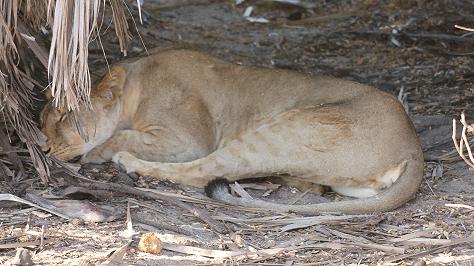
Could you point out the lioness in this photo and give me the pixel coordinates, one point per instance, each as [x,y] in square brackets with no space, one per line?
[190,118]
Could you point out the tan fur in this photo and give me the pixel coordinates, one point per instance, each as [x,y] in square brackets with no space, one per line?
[187,117]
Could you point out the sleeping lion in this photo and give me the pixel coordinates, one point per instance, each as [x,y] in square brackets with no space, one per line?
[190,118]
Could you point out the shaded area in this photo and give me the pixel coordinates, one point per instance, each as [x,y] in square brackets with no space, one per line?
[407,46]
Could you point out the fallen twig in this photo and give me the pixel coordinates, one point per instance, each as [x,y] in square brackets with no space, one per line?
[290,223]
[453,242]
[411,236]
[464,28]
[77,209]
[319,19]
[11,197]
[362,242]
[386,249]
[463,141]
[458,205]
[425,241]
[433,36]
[26,244]
[197,212]
[222,254]
[237,188]
[117,257]
[298,3]
[164,226]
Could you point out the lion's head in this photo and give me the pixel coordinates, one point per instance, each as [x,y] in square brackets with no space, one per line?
[97,124]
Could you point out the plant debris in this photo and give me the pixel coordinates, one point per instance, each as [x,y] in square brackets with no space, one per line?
[409,49]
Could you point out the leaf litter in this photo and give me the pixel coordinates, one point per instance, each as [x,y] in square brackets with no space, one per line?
[403,48]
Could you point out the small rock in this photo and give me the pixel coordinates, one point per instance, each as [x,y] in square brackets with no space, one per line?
[150,243]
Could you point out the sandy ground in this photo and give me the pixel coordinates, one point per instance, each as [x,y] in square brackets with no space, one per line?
[393,45]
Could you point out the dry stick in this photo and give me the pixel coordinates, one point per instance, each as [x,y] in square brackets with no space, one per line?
[26,244]
[240,191]
[362,242]
[458,205]
[299,197]
[117,256]
[184,198]
[178,4]
[386,249]
[319,19]
[410,236]
[433,36]
[242,254]
[464,28]
[203,201]
[10,197]
[163,226]
[463,141]
[197,212]
[219,254]
[429,251]
[172,228]
[466,127]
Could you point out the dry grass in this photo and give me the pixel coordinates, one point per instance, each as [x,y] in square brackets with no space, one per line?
[16,87]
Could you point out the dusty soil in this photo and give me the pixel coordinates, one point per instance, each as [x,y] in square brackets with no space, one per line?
[407,48]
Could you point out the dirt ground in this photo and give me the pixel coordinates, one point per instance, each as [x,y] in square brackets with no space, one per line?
[407,48]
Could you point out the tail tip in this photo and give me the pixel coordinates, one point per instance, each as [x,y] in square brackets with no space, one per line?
[216,186]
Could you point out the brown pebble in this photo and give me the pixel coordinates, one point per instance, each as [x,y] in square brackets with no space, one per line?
[150,243]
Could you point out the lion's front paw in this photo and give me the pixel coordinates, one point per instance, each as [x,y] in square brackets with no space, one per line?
[126,161]
[92,158]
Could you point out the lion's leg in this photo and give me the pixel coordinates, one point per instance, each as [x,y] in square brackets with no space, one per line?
[196,173]
[239,159]
[302,185]
[355,192]
[157,147]
[201,171]
[272,149]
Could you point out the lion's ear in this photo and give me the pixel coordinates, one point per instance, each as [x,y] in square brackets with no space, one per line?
[111,85]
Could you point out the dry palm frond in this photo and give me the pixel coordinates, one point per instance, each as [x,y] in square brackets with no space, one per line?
[16,90]
[34,11]
[67,65]
[73,24]
[121,25]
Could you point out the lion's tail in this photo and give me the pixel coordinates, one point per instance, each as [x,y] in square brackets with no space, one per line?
[399,193]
